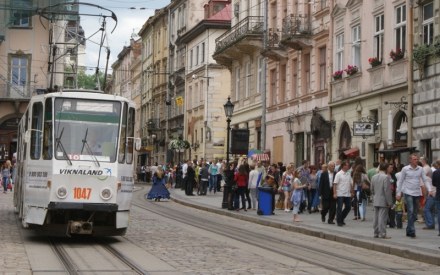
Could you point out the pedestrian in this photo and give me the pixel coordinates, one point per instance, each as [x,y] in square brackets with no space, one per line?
[213,170]
[143,173]
[436,184]
[392,178]
[286,184]
[204,178]
[312,189]
[343,191]
[304,177]
[409,186]
[326,192]
[158,190]
[359,176]
[190,179]
[241,178]
[383,200]
[297,195]
[254,181]
[6,175]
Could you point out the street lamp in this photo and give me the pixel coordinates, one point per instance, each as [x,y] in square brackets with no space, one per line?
[229,109]
[289,127]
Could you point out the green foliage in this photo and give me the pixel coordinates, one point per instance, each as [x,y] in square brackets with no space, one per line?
[88,81]
[420,54]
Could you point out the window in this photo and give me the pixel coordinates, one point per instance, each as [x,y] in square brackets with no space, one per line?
[356,45]
[295,90]
[47,135]
[237,83]
[19,70]
[339,52]
[400,28]
[191,56]
[273,87]
[428,23]
[248,79]
[197,55]
[21,15]
[202,97]
[130,135]
[37,129]
[202,57]
[260,81]
[322,68]
[378,36]
[306,70]
[282,83]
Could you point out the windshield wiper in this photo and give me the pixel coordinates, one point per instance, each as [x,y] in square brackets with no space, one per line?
[89,150]
[60,144]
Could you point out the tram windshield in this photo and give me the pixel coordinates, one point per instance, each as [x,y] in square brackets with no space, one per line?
[86,130]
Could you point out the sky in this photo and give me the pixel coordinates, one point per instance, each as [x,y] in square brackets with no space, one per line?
[129,21]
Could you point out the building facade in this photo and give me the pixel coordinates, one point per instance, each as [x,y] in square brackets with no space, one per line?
[297,49]
[239,50]
[206,85]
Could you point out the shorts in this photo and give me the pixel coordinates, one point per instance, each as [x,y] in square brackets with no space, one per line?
[286,188]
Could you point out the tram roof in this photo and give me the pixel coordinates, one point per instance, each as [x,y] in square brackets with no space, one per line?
[84,93]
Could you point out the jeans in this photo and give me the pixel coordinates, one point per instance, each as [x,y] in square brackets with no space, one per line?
[253,193]
[429,212]
[399,215]
[362,208]
[437,205]
[341,214]
[213,183]
[412,207]
[5,183]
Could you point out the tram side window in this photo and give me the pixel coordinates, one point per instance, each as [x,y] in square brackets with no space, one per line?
[23,129]
[36,130]
[130,135]
[123,136]
[47,135]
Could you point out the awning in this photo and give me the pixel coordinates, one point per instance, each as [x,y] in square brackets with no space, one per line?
[262,157]
[352,152]
[397,150]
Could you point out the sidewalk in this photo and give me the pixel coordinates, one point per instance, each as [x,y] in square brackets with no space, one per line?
[424,248]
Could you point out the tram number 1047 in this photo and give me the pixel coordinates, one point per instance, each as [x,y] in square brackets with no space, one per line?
[81,193]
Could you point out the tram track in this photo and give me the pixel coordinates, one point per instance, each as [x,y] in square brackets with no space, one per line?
[325,257]
[73,256]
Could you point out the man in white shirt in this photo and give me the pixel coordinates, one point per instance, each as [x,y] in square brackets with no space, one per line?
[343,192]
[409,184]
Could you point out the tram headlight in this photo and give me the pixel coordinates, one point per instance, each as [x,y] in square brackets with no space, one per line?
[106,194]
[62,192]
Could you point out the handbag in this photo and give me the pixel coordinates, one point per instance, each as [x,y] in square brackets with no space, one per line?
[222,183]
[9,186]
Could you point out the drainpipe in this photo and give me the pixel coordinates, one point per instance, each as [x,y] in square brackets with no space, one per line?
[263,100]
[410,6]
[330,91]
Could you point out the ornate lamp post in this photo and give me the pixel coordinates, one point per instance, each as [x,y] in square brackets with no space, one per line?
[229,109]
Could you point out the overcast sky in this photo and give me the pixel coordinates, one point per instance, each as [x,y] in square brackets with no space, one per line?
[129,21]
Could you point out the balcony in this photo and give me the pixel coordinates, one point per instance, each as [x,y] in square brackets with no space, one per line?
[245,36]
[297,32]
[273,49]
[10,92]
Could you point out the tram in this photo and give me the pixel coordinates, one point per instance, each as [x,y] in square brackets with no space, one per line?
[75,163]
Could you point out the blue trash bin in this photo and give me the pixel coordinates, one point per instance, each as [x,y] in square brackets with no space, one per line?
[265,200]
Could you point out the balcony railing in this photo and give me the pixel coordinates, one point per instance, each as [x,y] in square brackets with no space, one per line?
[251,25]
[9,92]
[273,38]
[296,25]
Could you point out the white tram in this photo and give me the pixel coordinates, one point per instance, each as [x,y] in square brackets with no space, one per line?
[75,163]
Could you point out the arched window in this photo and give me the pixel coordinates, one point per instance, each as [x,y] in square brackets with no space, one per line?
[400,129]
[345,137]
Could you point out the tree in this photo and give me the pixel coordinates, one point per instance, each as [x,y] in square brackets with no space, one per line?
[87,81]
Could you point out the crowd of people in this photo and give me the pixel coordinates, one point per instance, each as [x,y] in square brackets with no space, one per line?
[333,189]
